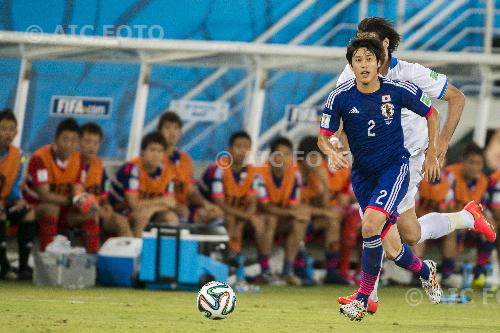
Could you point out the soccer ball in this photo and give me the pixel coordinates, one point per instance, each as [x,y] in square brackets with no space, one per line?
[216,300]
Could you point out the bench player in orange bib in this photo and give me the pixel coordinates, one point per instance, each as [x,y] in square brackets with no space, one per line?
[494,201]
[279,198]
[343,200]
[468,187]
[96,179]
[232,184]
[315,197]
[54,186]
[191,205]
[143,187]
[13,207]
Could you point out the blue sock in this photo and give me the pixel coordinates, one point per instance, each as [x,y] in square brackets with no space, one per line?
[371,259]
[299,266]
[287,267]
[332,260]
[264,264]
[484,249]
[406,259]
[447,267]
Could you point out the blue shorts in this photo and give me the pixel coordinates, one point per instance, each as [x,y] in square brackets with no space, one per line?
[383,191]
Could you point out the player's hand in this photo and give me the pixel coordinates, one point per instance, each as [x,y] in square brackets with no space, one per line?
[86,203]
[301,214]
[3,213]
[338,159]
[182,210]
[105,211]
[169,202]
[79,198]
[20,205]
[441,150]
[332,213]
[432,168]
[213,210]
[255,220]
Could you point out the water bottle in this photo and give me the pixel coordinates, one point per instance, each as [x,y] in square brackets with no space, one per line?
[240,269]
[309,267]
[489,278]
[454,298]
[450,298]
[466,275]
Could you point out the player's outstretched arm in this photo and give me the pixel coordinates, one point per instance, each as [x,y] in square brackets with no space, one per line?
[456,102]
[432,168]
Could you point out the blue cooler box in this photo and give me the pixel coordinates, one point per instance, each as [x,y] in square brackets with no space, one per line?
[183,257]
[117,261]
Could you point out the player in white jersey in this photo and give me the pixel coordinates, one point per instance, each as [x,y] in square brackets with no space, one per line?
[435,85]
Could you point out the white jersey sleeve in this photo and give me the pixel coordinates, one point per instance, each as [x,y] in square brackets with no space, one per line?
[431,82]
[346,75]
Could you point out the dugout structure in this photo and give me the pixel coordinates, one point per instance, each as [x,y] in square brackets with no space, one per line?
[259,64]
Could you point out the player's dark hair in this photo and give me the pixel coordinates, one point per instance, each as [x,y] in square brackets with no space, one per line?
[169,117]
[91,128]
[472,149]
[308,144]
[383,28]
[371,44]
[239,135]
[7,114]
[67,125]
[281,141]
[153,137]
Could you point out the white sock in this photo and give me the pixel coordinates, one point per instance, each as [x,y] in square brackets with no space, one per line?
[374,294]
[437,225]
[461,220]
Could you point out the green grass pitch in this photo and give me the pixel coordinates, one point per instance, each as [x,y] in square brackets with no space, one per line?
[25,308]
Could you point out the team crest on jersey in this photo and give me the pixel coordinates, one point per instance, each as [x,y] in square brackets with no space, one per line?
[325,120]
[387,112]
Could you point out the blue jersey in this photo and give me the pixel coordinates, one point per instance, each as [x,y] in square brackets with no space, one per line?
[372,121]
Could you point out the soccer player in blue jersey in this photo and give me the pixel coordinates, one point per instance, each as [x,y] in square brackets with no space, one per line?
[433,225]
[370,108]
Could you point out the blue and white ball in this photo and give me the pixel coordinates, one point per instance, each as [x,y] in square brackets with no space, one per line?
[216,300]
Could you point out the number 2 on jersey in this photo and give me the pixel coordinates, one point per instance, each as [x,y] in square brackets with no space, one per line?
[371,124]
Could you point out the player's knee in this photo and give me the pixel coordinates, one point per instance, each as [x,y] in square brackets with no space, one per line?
[410,239]
[48,209]
[120,221]
[30,216]
[372,223]
[257,225]
[271,222]
[369,229]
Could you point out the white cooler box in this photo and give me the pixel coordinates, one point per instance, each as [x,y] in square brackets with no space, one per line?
[117,261]
[64,270]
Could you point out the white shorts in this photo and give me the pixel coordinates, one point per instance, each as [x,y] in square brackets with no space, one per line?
[416,176]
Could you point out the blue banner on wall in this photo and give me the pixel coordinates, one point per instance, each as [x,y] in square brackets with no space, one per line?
[81,106]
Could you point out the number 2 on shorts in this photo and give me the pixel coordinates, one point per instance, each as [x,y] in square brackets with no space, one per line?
[383,194]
